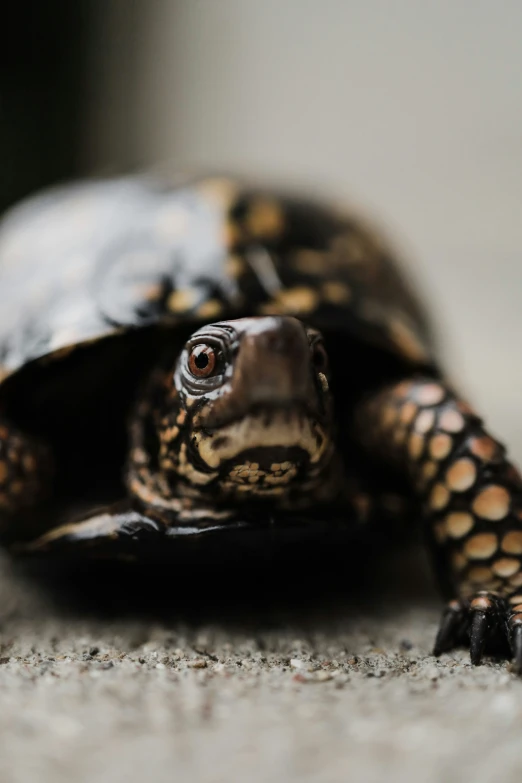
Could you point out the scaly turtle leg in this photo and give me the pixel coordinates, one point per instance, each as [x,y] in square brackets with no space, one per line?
[472,504]
[107,529]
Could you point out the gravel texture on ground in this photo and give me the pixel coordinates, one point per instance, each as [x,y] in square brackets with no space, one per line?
[244,677]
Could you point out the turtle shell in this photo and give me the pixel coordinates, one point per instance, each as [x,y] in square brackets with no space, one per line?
[89,260]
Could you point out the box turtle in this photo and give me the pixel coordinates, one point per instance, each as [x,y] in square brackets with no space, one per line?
[183,358]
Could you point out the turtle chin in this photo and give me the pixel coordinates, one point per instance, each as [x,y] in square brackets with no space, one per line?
[267,453]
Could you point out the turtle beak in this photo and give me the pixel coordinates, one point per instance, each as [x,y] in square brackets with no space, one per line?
[272,371]
[273,366]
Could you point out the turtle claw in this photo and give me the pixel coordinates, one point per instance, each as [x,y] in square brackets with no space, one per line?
[482,620]
[450,628]
[516,649]
[478,636]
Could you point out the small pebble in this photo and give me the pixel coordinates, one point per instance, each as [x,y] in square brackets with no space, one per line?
[322,676]
[297,663]
[198,663]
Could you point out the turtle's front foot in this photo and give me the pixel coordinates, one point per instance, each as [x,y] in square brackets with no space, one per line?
[483,620]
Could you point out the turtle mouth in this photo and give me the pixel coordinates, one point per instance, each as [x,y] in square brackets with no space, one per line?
[269,459]
[265,435]
[266,412]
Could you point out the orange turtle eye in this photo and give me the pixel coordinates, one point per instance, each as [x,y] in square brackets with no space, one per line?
[320,358]
[202,361]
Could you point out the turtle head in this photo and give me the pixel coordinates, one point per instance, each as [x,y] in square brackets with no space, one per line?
[254,411]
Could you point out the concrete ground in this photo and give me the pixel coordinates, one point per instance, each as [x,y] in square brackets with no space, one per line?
[244,675]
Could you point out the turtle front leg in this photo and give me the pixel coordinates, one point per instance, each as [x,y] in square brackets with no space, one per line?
[472,504]
[26,472]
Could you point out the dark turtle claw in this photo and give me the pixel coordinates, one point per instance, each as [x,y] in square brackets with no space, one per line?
[484,620]
[515,640]
[450,628]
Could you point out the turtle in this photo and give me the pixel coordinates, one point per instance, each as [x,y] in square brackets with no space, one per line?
[182,357]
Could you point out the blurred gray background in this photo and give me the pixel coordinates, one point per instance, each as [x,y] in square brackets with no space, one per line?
[412,110]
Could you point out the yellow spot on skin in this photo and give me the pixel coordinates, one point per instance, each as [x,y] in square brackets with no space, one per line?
[439,497]
[516,581]
[440,446]
[481,546]
[485,448]
[424,421]
[210,309]
[182,300]
[461,475]
[459,523]
[3,472]
[451,421]
[309,262]
[139,456]
[234,266]
[492,503]
[336,293]
[408,411]
[407,341]
[170,434]
[185,468]
[298,300]
[481,602]
[429,394]
[506,566]
[415,445]
[480,574]
[512,542]
[389,416]
[429,469]
[181,417]
[294,301]
[458,561]
[265,219]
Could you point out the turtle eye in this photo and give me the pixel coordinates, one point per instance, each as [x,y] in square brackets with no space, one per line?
[320,357]
[202,361]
